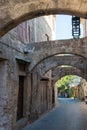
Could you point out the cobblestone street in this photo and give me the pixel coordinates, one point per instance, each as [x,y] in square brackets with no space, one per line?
[69,115]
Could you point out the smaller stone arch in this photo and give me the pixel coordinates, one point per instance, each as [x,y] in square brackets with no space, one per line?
[53,62]
[63,71]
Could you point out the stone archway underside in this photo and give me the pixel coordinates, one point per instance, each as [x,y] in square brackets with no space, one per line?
[40,51]
[54,61]
[63,71]
[13,12]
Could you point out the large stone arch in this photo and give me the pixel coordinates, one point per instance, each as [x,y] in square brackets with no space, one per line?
[40,51]
[63,71]
[54,61]
[13,12]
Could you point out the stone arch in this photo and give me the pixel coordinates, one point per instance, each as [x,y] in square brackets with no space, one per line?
[47,49]
[53,62]
[63,71]
[14,12]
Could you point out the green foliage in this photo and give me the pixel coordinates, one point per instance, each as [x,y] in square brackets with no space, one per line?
[71,92]
[64,82]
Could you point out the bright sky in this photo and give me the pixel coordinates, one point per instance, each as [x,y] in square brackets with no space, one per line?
[64,27]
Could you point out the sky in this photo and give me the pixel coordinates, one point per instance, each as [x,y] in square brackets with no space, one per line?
[64,27]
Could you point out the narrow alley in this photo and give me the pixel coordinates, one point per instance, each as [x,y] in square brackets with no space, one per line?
[69,115]
[43,55]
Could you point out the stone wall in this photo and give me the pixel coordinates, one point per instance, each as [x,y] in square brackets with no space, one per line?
[82,89]
[9,81]
[15,64]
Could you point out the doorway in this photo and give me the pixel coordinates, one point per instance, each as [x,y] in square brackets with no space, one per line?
[20,98]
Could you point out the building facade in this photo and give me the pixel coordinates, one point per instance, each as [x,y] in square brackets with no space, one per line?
[24,96]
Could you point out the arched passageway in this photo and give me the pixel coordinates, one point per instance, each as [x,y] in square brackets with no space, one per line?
[15,12]
[43,50]
[54,61]
[68,71]
[60,72]
[11,14]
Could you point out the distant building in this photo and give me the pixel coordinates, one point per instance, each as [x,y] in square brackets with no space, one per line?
[36,30]
[84,23]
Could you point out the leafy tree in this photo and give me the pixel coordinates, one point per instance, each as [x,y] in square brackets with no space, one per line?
[64,82]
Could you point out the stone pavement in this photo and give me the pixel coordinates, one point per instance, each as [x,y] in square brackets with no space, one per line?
[69,115]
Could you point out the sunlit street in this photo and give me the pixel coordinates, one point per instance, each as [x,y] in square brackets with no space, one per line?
[69,115]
